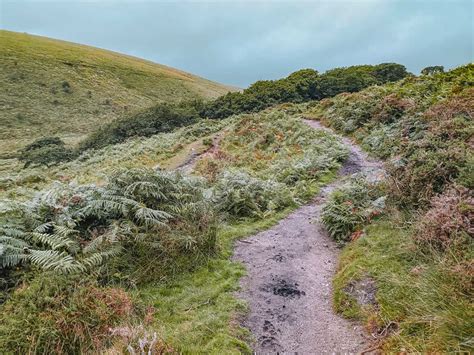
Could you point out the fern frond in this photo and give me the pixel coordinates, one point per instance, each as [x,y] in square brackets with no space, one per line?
[150,216]
[97,259]
[12,231]
[145,188]
[15,242]
[11,255]
[44,228]
[55,241]
[55,261]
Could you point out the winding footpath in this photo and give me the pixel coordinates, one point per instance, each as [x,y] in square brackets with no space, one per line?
[289,274]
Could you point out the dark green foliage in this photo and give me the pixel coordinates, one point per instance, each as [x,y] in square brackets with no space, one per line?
[305,84]
[240,195]
[163,117]
[389,72]
[301,86]
[160,118]
[41,142]
[45,151]
[432,70]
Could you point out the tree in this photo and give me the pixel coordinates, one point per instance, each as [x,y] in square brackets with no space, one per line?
[305,82]
[432,70]
[388,72]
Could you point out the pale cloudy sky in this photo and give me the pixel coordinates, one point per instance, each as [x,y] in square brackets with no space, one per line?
[239,42]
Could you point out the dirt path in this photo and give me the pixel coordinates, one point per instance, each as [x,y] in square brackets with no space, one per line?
[187,166]
[290,269]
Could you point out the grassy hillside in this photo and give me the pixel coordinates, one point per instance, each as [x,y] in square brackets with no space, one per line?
[168,262]
[146,249]
[52,87]
[419,254]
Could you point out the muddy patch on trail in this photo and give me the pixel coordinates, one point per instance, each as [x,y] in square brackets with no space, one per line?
[278,258]
[284,288]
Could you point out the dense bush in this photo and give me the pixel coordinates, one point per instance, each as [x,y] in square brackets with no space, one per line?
[76,229]
[350,207]
[437,155]
[45,151]
[449,223]
[432,70]
[163,117]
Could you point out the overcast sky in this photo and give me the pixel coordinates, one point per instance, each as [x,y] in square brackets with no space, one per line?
[240,42]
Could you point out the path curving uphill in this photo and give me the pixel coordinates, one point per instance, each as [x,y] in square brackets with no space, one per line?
[289,274]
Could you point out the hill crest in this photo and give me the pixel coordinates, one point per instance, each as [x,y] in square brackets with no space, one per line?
[68,89]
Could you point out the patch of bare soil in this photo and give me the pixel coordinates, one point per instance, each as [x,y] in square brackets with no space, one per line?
[290,269]
[193,158]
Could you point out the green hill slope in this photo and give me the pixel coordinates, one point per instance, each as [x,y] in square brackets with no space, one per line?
[61,88]
[162,241]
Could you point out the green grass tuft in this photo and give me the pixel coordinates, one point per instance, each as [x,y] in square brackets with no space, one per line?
[416,292]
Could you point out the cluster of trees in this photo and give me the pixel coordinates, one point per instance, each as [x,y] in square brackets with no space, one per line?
[300,86]
[303,85]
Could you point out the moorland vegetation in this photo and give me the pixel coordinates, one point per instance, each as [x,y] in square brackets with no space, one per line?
[417,246]
[106,247]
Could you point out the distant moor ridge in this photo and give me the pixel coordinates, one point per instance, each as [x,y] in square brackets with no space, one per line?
[55,87]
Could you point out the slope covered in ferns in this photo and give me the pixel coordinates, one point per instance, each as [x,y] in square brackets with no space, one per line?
[115,236]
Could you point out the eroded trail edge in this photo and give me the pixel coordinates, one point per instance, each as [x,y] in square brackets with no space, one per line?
[290,269]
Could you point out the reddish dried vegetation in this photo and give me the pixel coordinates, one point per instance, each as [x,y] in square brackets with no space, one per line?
[449,221]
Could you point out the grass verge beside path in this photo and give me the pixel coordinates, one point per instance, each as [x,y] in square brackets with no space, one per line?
[198,312]
[418,302]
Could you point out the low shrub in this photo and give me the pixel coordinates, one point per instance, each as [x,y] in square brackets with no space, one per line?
[311,166]
[350,207]
[45,151]
[163,117]
[77,229]
[62,315]
[448,224]
[240,195]
[174,229]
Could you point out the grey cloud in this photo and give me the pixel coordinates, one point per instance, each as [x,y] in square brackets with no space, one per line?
[241,42]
